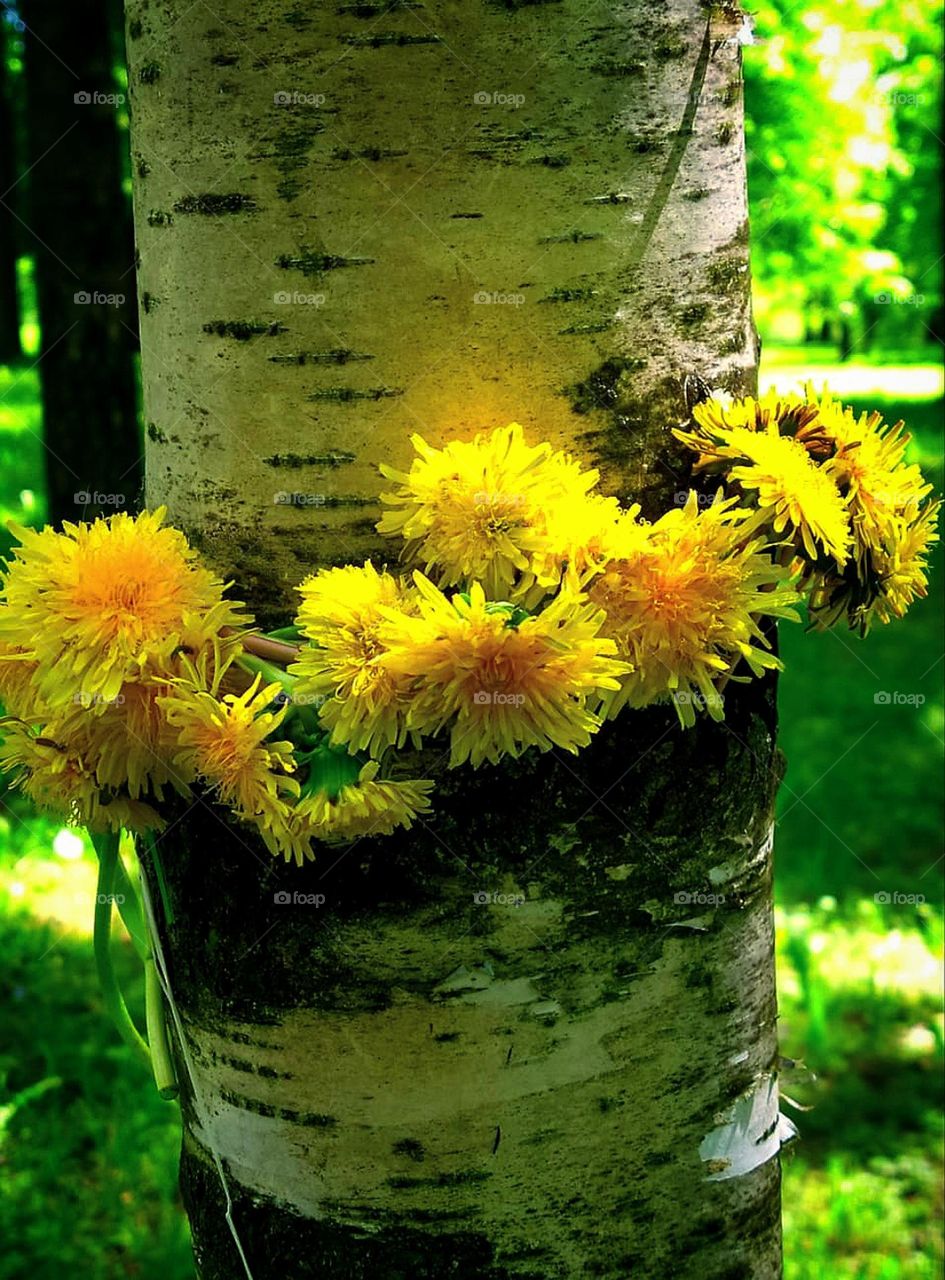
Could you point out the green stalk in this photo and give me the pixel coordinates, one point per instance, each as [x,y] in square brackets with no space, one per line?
[159,876]
[106,846]
[284,633]
[268,670]
[129,908]
[162,1064]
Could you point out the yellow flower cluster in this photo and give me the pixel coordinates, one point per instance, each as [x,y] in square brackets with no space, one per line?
[532,609]
[120,673]
[852,516]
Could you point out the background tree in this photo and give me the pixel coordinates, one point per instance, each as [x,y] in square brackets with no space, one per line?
[9,301]
[836,250]
[80,223]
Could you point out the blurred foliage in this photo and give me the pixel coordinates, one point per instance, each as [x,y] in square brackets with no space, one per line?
[843,104]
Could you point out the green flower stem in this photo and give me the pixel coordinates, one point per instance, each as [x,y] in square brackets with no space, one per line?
[268,670]
[162,1064]
[289,634]
[106,846]
[129,908]
[159,876]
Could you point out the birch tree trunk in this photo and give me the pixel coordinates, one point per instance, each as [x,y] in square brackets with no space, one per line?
[357,221]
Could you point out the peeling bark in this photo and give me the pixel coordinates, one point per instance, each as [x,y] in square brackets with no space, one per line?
[403,1080]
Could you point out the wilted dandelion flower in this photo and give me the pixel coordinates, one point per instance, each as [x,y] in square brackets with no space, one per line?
[228,743]
[506,680]
[796,496]
[883,584]
[477,510]
[98,603]
[61,781]
[343,614]
[682,600]
[870,468]
[362,806]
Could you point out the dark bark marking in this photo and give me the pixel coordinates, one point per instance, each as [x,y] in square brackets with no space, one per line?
[571,237]
[312,264]
[243,330]
[345,395]
[293,461]
[211,205]
[387,38]
[339,355]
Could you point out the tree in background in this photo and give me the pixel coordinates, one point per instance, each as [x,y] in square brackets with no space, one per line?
[9,301]
[80,224]
[357,222]
[843,109]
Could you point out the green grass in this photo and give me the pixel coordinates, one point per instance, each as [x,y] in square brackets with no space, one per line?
[861,1010]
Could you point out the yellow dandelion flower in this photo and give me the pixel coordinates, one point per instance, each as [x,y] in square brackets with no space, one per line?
[869,467]
[61,781]
[570,543]
[18,692]
[885,584]
[227,742]
[476,510]
[127,740]
[344,614]
[96,604]
[366,807]
[682,600]
[798,497]
[506,682]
